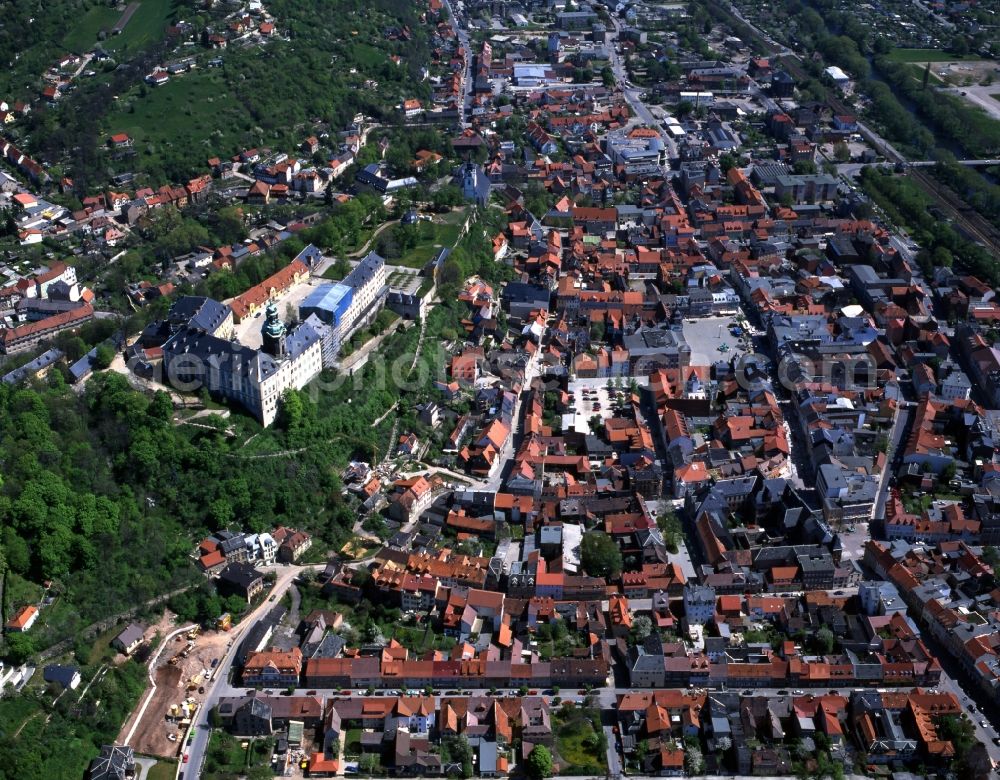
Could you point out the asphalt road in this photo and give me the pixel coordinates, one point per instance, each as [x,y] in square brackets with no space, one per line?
[901,424]
[200,729]
[467,79]
[493,483]
[632,94]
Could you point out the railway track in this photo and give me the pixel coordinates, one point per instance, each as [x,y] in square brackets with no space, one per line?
[968,221]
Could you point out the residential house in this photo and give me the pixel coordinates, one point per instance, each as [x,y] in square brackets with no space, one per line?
[129,639]
[273,668]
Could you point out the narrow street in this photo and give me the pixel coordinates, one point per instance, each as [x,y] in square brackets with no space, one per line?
[200,731]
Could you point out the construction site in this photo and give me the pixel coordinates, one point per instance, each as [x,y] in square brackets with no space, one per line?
[183,670]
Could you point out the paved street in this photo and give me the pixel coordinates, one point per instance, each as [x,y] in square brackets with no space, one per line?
[632,94]
[467,77]
[901,424]
[493,483]
[200,730]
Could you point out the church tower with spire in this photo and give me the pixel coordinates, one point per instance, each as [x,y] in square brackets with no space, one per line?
[273,342]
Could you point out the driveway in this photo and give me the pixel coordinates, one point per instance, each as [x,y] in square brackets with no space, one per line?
[145,764]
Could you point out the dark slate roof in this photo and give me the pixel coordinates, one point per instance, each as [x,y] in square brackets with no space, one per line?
[114,763]
[60,674]
[198,312]
[242,575]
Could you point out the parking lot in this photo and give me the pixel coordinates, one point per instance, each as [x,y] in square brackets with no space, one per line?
[705,337]
[592,397]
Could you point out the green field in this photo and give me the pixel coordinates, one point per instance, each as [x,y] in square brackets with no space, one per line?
[162,770]
[579,741]
[192,117]
[368,55]
[83,37]
[917,71]
[927,55]
[146,26]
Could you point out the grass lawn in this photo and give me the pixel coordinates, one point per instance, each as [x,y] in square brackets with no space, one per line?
[102,649]
[227,757]
[193,116]
[927,55]
[579,741]
[146,26]
[352,742]
[419,640]
[445,234]
[368,55]
[162,770]
[83,37]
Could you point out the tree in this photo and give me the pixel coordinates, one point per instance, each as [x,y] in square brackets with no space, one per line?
[841,152]
[16,551]
[446,197]
[804,167]
[600,555]
[230,227]
[456,749]
[863,210]
[942,257]
[727,161]
[824,640]
[959,45]
[694,761]
[642,627]
[368,763]
[539,764]
[20,647]
[103,356]
[670,526]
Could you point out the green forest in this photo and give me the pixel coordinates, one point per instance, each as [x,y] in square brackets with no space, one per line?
[103,494]
[260,96]
[42,738]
